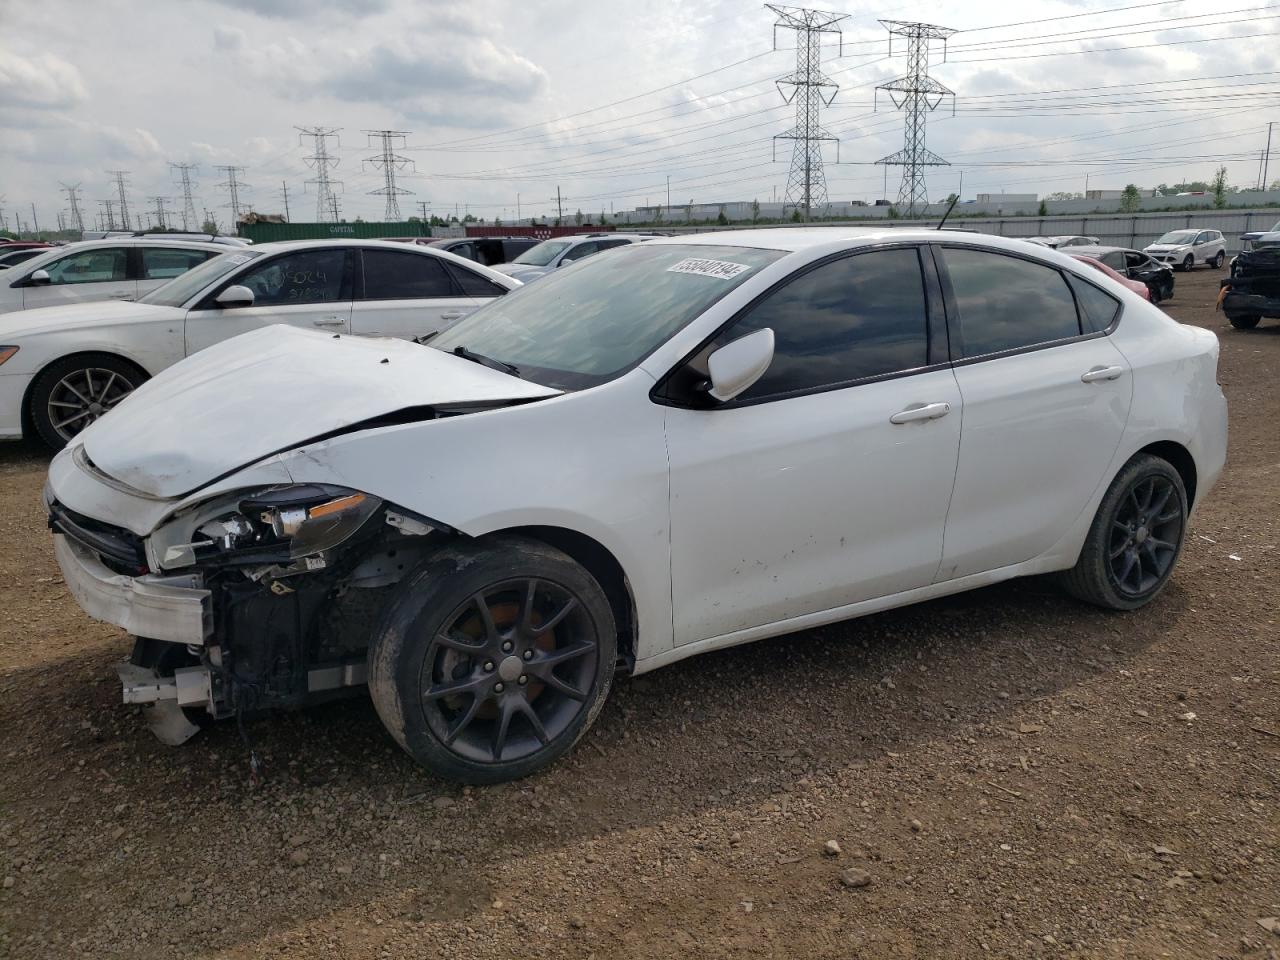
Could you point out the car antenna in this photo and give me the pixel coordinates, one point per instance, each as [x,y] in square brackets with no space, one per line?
[955,198]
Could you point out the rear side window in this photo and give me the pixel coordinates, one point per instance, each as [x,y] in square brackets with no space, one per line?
[850,319]
[158,264]
[1113,259]
[580,251]
[1097,309]
[472,284]
[1006,303]
[404,276]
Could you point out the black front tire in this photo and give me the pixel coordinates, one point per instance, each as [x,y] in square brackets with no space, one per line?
[1244,323]
[523,634]
[1188,263]
[1153,490]
[1220,259]
[55,395]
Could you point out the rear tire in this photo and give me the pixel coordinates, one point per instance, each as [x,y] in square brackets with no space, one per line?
[492,659]
[1244,323]
[71,393]
[1135,539]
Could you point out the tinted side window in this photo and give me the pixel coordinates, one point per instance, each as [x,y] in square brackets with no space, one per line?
[513,248]
[608,244]
[472,284]
[308,276]
[158,264]
[1114,260]
[857,317]
[1006,303]
[404,276]
[463,250]
[580,251]
[90,266]
[1097,309]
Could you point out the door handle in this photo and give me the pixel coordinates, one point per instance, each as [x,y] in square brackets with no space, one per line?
[1101,373]
[330,322]
[455,315]
[921,411]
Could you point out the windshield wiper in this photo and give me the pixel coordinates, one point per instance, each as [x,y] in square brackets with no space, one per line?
[484,361]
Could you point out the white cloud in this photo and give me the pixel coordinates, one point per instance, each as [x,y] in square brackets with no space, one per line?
[40,81]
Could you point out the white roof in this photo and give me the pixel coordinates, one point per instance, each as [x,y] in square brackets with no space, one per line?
[794,239]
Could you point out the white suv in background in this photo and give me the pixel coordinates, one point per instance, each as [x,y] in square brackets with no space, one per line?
[1183,249]
[120,269]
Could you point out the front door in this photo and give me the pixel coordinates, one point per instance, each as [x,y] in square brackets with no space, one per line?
[101,273]
[307,288]
[828,481]
[1046,397]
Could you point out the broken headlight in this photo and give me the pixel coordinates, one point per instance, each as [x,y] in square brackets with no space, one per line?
[279,524]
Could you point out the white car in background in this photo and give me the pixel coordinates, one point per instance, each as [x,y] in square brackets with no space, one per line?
[1183,249]
[122,269]
[63,367]
[684,445]
[561,251]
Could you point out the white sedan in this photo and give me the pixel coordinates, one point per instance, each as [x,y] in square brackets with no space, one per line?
[688,444]
[63,367]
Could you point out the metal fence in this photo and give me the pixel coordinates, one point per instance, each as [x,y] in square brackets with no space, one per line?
[1132,230]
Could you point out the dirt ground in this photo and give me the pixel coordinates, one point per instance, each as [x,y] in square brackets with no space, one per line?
[1017,774]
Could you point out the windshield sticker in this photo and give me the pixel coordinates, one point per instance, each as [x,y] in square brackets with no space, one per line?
[720,269]
[240,258]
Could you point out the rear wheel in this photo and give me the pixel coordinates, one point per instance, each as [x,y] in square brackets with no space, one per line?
[1220,259]
[1188,262]
[493,659]
[1244,323]
[74,392]
[1135,537]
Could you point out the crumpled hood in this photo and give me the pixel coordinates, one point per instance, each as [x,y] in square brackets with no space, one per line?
[272,390]
[70,316]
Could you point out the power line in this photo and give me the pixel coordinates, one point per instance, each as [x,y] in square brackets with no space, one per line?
[284,194]
[161,214]
[188,204]
[321,161]
[810,91]
[233,186]
[119,178]
[916,94]
[389,161]
[73,199]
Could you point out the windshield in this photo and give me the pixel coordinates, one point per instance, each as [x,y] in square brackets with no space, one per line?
[590,322]
[181,289]
[543,253]
[1178,236]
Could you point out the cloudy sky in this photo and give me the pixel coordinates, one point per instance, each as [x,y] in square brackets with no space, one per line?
[504,100]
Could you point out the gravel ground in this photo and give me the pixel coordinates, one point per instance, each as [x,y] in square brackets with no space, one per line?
[1005,773]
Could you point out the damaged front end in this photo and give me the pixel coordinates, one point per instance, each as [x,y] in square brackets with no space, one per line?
[259,599]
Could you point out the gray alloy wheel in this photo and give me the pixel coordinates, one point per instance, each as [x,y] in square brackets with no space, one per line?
[1220,259]
[72,393]
[1188,262]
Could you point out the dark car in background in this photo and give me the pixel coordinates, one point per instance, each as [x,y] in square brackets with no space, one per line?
[486,251]
[1135,265]
[12,254]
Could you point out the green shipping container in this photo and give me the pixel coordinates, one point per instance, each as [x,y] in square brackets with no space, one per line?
[364,230]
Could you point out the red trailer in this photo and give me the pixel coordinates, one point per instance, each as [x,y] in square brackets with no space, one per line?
[542,233]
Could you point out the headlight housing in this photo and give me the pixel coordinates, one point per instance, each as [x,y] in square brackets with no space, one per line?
[277,525]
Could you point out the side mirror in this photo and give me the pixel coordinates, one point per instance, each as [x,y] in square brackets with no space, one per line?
[38,277]
[235,296]
[738,365]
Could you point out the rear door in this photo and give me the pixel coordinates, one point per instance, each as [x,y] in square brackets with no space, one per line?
[101,273]
[407,295]
[308,288]
[1046,397]
[158,265]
